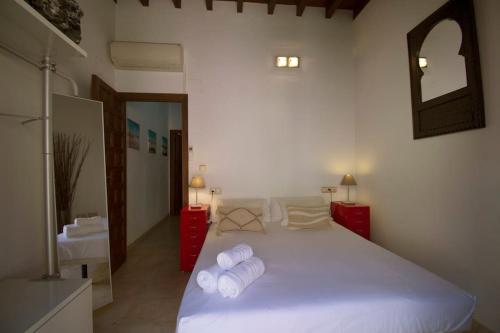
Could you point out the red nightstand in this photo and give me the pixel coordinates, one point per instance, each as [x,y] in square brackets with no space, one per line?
[354,217]
[194,227]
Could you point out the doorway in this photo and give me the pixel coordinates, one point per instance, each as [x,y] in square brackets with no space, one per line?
[115,132]
[175,172]
[149,171]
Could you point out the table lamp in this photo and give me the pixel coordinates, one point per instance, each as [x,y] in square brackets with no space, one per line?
[348,180]
[197,182]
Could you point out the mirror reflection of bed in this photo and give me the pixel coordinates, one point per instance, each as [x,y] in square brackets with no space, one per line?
[81,206]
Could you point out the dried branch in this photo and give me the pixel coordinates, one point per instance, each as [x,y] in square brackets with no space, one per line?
[70,152]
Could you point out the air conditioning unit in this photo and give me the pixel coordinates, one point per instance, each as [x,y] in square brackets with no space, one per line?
[147,56]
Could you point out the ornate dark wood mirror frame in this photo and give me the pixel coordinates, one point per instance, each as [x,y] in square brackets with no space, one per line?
[458,110]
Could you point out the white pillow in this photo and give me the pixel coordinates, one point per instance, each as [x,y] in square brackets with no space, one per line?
[249,203]
[275,208]
[279,211]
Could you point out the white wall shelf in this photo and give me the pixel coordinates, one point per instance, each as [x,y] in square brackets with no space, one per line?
[25,30]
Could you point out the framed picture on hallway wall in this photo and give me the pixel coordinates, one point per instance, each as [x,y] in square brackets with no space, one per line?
[134,132]
[152,141]
[164,146]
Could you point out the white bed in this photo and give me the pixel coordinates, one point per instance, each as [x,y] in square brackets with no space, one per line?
[324,281]
[87,249]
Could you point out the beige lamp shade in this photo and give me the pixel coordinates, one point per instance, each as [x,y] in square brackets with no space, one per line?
[197,182]
[348,180]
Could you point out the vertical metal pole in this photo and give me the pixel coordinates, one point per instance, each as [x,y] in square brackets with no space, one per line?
[48,170]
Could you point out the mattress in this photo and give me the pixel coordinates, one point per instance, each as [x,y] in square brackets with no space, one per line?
[92,248]
[324,281]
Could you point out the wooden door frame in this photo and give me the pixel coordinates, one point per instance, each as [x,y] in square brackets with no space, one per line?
[125,97]
[117,226]
[170,135]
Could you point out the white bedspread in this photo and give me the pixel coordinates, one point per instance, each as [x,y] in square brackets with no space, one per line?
[324,281]
[94,246]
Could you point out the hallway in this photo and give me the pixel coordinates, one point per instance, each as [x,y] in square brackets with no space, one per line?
[148,288]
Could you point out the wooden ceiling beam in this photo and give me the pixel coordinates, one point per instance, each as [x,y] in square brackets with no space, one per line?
[332,6]
[301,6]
[360,5]
[145,3]
[270,7]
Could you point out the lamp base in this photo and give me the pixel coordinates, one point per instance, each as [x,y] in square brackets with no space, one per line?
[348,202]
[196,206]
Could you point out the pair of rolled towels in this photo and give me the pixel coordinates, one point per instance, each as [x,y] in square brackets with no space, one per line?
[235,270]
[84,226]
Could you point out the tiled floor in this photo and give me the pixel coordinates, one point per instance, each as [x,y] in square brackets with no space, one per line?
[148,288]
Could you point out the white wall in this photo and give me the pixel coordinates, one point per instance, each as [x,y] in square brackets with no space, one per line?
[98,30]
[435,200]
[262,131]
[22,240]
[148,185]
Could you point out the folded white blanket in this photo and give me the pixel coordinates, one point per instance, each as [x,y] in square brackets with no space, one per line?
[88,220]
[207,278]
[74,230]
[232,282]
[230,258]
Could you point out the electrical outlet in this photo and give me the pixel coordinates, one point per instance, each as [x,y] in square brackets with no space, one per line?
[215,190]
[329,189]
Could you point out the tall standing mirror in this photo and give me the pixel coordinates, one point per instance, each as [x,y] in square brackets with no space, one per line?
[80,186]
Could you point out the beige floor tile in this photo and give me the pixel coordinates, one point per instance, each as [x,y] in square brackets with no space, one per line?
[148,288]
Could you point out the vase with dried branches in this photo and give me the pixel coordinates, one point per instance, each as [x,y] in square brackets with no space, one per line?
[70,152]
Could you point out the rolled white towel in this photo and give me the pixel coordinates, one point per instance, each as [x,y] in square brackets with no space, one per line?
[230,258]
[74,230]
[88,220]
[232,282]
[207,278]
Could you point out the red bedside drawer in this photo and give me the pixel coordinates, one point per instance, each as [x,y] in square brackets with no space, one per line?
[193,219]
[190,261]
[193,230]
[361,213]
[357,224]
[194,238]
[190,226]
[194,248]
[354,217]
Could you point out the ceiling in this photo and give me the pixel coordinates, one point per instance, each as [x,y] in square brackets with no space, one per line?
[330,6]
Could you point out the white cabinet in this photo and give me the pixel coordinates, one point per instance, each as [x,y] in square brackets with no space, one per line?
[46,306]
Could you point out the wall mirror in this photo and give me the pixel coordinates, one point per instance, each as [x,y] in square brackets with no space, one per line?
[80,186]
[445,72]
